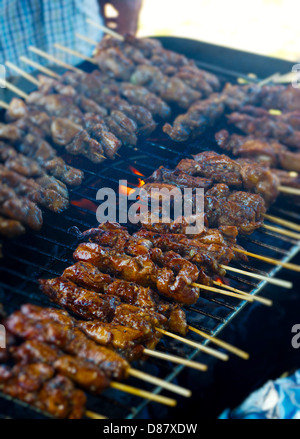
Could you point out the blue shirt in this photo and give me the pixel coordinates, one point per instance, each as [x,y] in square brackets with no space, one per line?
[41,23]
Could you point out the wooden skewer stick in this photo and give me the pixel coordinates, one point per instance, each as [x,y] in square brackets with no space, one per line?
[105,29]
[39,67]
[22,73]
[199,346]
[54,59]
[293,174]
[175,359]
[29,78]
[94,415]
[74,52]
[225,293]
[4,105]
[282,222]
[262,300]
[143,394]
[282,231]
[289,190]
[273,261]
[275,112]
[272,280]
[268,79]
[159,382]
[87,39]
[15,90]
[221,343]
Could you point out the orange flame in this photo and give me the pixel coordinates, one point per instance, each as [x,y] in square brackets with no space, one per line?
[141,182]
[223,281]
[86,204]
[125,190]
[135,171]
[218,279]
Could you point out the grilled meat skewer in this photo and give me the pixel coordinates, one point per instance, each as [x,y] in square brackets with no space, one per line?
[34,147]
[170,89]
[88,276]
[281,97]
[36,385]
[204,113]
[124,120]
[173,281]
[100,94]
[207,250]
[266,151]
[222,208]
[85,275]
[19,208]
[266,126]
[28,324]
[120,58]
[97,88]
[68,295]
[81,372]
[64,132]
[222,169]
[45,191]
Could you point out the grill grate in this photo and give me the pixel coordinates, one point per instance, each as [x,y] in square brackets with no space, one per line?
[47,253]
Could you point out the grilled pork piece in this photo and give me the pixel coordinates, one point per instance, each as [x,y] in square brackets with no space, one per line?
[34,351]
[61,399]
[178,178]
[10,228]
[138,95]
[19,208]
[170,89]
[119,336]
[291,179]
[280,97]
[195,121]
[25,381]
[240,209]
[38,313]
[81,372]
[87,304]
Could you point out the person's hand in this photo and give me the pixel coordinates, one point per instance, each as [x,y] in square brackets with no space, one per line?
[128,13]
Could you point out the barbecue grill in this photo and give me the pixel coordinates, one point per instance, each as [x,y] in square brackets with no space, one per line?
[47,253]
